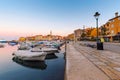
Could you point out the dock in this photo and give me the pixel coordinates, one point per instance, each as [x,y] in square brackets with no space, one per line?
[85,63]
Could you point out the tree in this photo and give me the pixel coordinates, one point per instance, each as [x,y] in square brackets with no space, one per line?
[88,33]
[104,30]
[83,35]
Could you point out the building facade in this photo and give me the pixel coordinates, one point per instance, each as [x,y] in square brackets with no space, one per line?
[77,34]
[112,28]
[38,37]
[114,25]
[70,37]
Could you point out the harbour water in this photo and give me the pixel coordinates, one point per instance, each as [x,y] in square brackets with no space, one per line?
[12,69]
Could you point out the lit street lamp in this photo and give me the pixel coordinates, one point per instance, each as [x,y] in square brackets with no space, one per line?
[99,44]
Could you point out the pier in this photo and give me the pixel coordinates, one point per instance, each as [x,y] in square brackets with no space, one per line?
[85,63]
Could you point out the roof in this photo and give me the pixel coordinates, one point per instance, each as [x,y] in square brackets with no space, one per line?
[78,30]
[114,18]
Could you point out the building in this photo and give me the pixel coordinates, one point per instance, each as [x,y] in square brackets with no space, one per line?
[105,29]
[112,28]
[48,37]
[56,37]
[22,39]
[77,34]
[114,25]
[70,37]
[38,37]
[31,38]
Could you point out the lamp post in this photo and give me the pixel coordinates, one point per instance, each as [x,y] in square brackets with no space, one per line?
[99,44]
[96,15]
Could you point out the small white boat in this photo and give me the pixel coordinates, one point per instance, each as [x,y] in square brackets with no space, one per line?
[12,43]
[1,45]
[24,46]
[31,56]
[45,49]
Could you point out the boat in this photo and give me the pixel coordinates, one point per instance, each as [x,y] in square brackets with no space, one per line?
[3,41]
[48,50]
[12,43]
[45,46]
[31,64]
[24,46]
[1,45]
[51,56]
[30,56]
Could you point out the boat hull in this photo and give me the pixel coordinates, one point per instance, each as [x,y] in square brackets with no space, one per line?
[30,56]
[47,50]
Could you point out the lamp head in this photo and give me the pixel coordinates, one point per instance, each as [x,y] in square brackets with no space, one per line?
[96,15]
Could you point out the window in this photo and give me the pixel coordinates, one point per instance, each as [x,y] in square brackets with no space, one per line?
[112,31]
[119,18]
[112,26]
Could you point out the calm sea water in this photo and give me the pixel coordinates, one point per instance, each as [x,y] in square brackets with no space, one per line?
[13,69]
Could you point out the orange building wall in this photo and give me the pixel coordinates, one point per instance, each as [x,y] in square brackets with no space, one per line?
[115,26]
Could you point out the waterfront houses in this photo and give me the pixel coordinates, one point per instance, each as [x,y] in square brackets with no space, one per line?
[22,39]
[38,37]
[110,31]
[41,38]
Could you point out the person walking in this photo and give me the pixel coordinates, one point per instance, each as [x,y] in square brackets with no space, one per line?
[102,40]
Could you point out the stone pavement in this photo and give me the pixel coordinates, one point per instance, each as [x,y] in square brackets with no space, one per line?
[106,61]
[113,47]
[80,65]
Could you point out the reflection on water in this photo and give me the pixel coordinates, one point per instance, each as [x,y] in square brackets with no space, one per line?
[31,64]
[13,69]
[51,56]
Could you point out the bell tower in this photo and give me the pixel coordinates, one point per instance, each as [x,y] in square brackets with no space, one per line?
[50,32]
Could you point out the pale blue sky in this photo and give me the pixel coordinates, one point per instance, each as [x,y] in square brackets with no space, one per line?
[31,17]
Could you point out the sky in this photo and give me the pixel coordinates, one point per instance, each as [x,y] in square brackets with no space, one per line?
[22,18]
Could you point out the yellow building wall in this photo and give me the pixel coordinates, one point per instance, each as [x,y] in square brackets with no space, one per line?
[22,39]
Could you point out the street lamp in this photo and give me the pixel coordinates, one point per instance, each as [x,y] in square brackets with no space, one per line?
[96,15]
[99,44]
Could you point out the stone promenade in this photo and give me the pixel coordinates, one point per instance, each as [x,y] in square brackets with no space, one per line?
[85,63]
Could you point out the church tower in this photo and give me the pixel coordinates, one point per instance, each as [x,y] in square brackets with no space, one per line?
[50,32]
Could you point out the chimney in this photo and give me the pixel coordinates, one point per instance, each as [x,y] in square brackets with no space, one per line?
[116,14]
